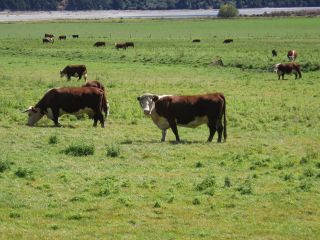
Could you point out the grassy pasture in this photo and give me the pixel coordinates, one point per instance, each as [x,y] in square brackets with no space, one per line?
[263,183]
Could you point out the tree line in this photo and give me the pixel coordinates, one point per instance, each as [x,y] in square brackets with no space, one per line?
[36,5]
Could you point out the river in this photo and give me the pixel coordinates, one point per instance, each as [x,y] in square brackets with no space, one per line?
[8,16]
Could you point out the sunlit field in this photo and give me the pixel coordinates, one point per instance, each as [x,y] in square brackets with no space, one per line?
[121,182]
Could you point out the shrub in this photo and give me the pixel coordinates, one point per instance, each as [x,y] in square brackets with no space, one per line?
[79,150]
[113,151]
[228,11]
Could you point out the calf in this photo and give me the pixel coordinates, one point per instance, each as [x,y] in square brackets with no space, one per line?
[62,37]
[287,68]
[74,71]
[186,111]
[120,45]
[129,44]
[99,44]
[229,40]
[71,100]
[292,55]
[48,40]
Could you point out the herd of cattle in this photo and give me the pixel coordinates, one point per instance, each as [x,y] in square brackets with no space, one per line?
[49,38]
[166,111]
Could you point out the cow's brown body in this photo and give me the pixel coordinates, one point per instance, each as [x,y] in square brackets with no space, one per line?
[229,40]
[292,55]
[49,35]
[74,71]
[62,37]
[288,68]
[120,45]
[72,100]
[129,44]
[48,40]
[94,83]
[189,111]
[100,44]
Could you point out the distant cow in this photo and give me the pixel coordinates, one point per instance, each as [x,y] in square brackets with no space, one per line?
[196,40]
[292,55]
[229,40]
[287,68]
[75,36]
[69,100]
[48,40]
[94,83]
[74,71]
[99,44]
[274,53]
[186,111]
[49,35]
[120,45]
[129,44]
[62,37]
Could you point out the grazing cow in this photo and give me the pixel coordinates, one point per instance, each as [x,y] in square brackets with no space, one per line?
[196,40]
[129,44]
[69,100]
[62,37]
[74,71]
[274,53]
[229,40]
[95,84]
[48,40]
[186,111]
[120,45]
[49,35]
[292,55]
[287,68]
[99,44]
[75,36]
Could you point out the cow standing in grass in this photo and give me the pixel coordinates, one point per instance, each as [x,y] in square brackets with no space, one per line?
[186,111]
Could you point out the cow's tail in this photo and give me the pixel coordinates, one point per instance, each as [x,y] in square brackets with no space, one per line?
[224,119]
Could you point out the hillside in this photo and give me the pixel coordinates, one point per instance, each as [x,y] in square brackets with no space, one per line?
[27,5]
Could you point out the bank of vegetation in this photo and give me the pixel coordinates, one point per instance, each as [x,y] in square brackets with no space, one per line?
[28,5]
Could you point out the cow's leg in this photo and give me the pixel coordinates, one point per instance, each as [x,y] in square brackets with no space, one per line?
[173,126]
[212,128]
[164,132]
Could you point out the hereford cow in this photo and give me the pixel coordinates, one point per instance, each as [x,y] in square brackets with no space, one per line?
[94,83]
[75,36]
[49,35]
[74,71]
[186,111]
[129,44]
[274,53]
[62,37]
[229,40]
[287,68]
[69,100]
[48,40]
[292,55]
[99,44]
[196,40]
[120,45]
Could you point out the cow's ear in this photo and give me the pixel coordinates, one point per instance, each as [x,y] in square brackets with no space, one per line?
[155,98]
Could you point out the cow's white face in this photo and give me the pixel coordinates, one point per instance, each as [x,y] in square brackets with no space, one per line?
[34,115]
[147,102]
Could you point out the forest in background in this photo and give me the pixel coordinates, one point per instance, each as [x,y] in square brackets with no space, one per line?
[72,5]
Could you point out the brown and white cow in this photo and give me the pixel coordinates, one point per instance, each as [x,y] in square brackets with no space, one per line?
[120,45]
[69,100]
[287,68]
[74,71]
[292,55]
[48,40]
[186,111]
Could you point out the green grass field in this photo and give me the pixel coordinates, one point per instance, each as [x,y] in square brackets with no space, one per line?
[263,183]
